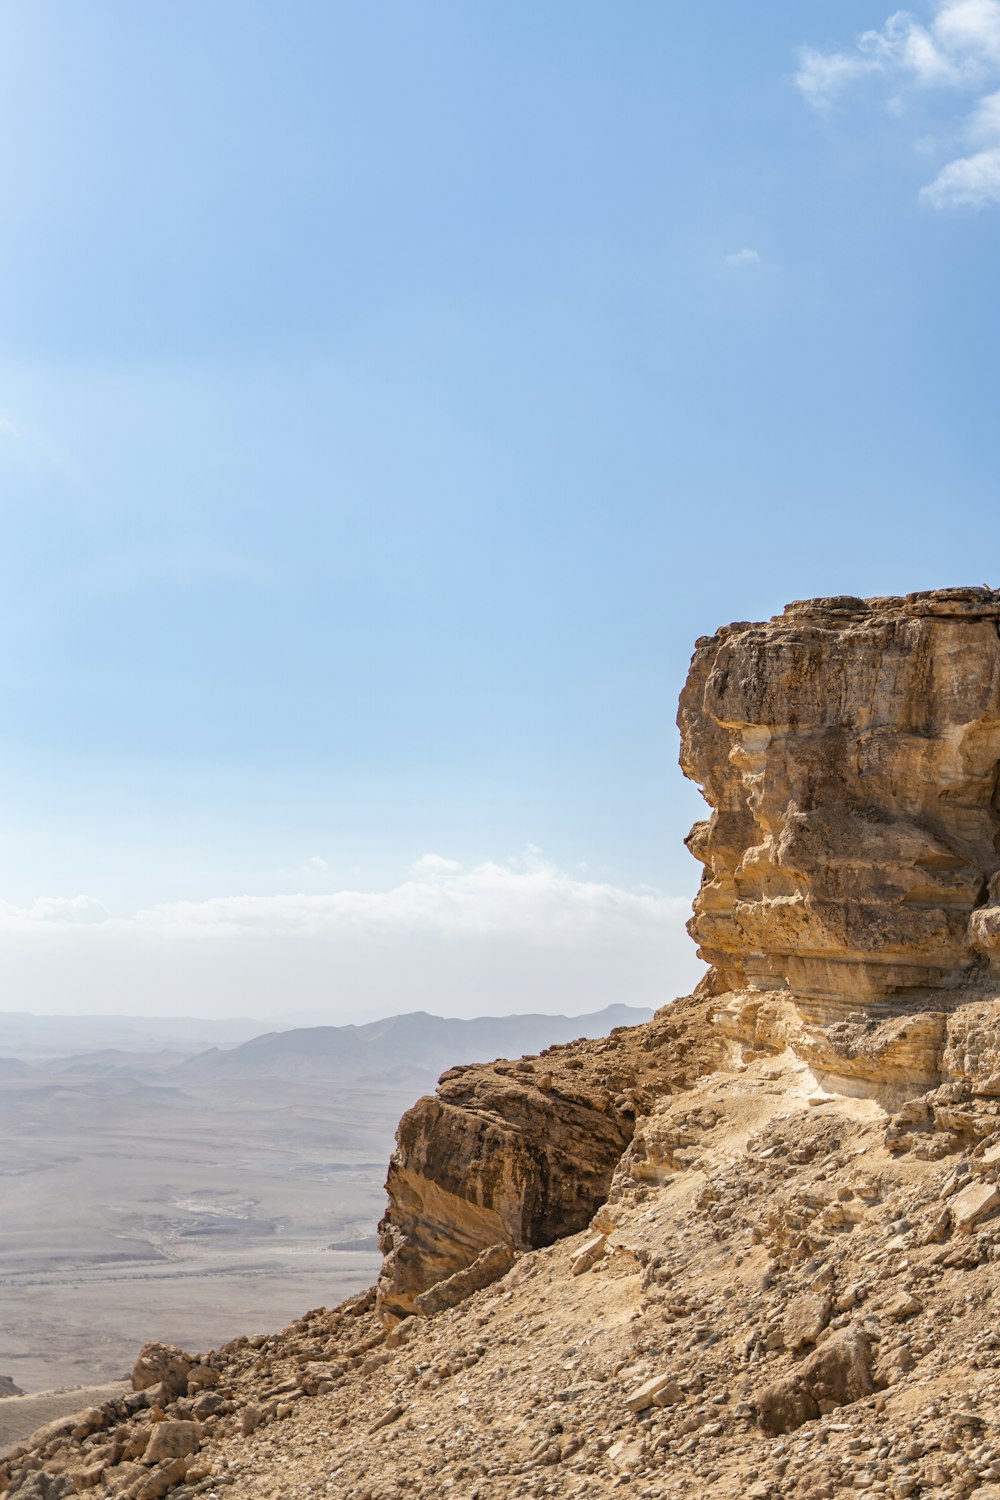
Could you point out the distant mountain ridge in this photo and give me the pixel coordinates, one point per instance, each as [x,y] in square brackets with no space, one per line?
[396,1048]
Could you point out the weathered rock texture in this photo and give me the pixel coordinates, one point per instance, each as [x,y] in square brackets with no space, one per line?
[518,1154]
[850,751]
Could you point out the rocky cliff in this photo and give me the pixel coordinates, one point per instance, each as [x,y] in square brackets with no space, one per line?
[850,752]
[518,1154]
[750,1249]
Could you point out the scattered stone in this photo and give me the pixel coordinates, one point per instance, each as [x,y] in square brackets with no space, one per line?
[489,1266]
[972,1204]
[170,1440]
[589,1255]
[661,1390]
[805,1318]
[162,1364]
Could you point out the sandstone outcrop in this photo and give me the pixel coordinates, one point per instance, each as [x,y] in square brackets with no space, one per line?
[518,1154]
[850,752]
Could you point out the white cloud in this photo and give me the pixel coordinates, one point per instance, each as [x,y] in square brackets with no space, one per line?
[8,427]
[958,49]
[317,865]
[529,899]
[824,75]
[517,935]
[983,126]
[435,865]
[52,912]
[970,182]
[744,257]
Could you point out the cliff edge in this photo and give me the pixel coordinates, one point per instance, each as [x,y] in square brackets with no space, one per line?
[750,1249]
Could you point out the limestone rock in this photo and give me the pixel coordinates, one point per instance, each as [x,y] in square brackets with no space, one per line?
[836,1374]
[849,751]
[660,1390]
[494,1262]
[805,1319]
[492,1159]
[162,1479]
[972,1204]
[589,1255]
[162,1363]
[171,1440]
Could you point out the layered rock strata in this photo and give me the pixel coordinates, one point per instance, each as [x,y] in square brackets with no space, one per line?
[518,1154]
[849,751]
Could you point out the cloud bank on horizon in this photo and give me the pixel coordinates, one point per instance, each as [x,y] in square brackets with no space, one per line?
[497,936]
[957,51]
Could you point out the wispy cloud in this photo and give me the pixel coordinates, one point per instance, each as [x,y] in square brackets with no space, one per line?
[52,912]
[958,49]
[530,898]
[969,182]
[515,934]
[8,427]
[744,257]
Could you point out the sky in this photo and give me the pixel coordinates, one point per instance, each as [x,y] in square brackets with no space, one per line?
[389,397]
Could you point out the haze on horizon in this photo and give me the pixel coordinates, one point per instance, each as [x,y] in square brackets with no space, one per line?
[389,397]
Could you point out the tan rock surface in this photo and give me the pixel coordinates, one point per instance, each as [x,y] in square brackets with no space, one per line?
[849,751]
[520,1154]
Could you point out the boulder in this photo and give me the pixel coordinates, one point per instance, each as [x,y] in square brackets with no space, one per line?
[162,1364]
[836,1374]
[170,1440]
[805,1318]
[488,1267]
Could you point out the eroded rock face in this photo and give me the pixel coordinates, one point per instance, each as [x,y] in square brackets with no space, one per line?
[518,1154]
[850,751]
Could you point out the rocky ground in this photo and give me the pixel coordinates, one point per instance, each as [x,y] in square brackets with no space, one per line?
[787,1293]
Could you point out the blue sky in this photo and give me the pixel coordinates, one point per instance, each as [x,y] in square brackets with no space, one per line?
[389,396]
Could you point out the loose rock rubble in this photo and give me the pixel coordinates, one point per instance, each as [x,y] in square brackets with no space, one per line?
[794,1310]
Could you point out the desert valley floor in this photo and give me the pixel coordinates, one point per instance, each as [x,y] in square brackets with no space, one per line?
[192,1213]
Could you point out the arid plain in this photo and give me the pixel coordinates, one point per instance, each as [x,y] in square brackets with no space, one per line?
[146,1194]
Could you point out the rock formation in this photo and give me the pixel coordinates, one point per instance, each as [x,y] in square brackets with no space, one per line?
[518,1154]
[750,1249]
[850,752]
